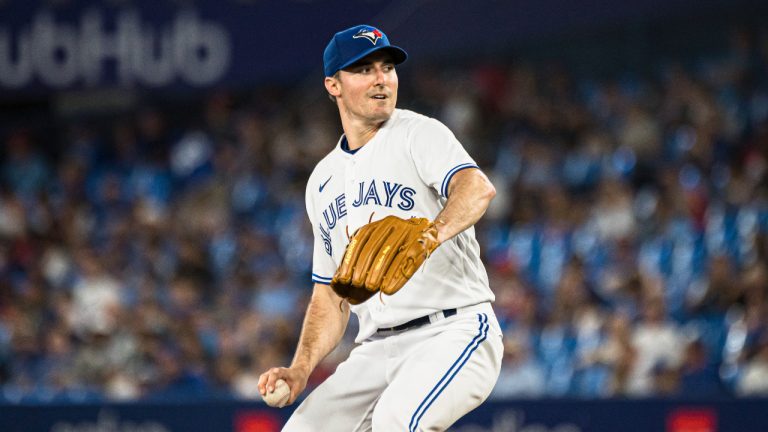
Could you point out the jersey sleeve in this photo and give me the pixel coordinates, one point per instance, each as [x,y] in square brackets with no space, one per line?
[438,155]
[323,267]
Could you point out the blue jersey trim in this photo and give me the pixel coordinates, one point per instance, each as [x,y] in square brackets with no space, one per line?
[481,335]
[447,179]
[320,279]
[345,145]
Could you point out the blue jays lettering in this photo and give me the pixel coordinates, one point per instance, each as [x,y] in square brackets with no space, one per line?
[374,192]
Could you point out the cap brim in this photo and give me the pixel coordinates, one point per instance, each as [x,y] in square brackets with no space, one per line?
[398,55]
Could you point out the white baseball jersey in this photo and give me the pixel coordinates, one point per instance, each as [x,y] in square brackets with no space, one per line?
[403,171]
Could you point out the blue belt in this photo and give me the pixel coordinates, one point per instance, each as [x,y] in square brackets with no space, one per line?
[418,322]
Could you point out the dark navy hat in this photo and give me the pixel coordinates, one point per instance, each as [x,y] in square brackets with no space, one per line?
[352,44]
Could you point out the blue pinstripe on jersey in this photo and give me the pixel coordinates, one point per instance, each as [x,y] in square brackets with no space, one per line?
[482,334]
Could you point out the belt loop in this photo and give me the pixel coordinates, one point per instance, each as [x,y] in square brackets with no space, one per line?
[435,317]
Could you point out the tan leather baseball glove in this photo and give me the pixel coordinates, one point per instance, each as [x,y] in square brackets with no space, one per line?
[382,256]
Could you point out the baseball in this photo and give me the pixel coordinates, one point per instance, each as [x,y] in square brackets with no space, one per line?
[279,397]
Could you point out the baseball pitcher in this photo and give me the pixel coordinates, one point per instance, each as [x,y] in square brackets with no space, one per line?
[392,208]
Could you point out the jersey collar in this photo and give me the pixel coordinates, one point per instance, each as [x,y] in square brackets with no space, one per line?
[345,146]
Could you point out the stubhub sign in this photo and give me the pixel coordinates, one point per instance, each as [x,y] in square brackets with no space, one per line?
[123,50]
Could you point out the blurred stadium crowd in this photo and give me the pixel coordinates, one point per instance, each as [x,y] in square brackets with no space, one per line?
[165,253]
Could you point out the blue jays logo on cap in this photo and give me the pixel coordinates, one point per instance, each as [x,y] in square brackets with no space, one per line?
[348,46]
[372,35]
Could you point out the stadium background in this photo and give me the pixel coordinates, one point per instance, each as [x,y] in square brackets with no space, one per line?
[155,254]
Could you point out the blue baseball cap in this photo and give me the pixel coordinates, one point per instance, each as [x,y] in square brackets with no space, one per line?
[352,44]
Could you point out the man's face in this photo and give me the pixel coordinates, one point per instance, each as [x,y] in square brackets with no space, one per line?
[368,88]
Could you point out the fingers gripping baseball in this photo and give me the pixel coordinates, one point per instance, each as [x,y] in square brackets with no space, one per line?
[279,387]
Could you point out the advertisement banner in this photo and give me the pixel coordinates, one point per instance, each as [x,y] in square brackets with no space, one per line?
[657,415]
[80,44]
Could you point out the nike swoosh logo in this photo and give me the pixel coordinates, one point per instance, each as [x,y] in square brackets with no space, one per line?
[322,186]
